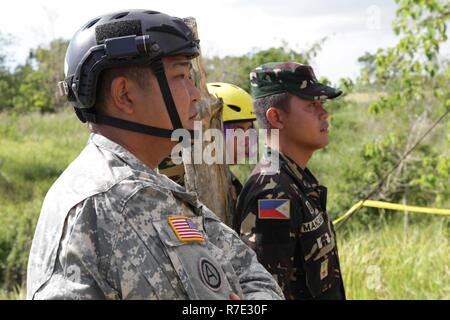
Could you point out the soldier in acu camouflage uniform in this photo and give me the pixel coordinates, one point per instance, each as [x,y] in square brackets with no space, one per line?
[110,226]
[282,214]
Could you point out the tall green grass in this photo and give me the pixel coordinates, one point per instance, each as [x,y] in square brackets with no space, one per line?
[34,150]
[397,261]
[18,293]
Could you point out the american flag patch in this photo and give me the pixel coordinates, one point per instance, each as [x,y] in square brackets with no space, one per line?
[185,229]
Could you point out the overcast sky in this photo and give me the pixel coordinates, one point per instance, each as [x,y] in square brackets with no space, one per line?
[227,27]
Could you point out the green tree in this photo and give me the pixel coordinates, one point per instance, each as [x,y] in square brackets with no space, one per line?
[39,76]
[235,69]
[416,81]
[367,76]
[7,84]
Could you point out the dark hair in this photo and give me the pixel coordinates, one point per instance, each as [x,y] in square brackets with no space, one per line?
[261,105]
[139,74]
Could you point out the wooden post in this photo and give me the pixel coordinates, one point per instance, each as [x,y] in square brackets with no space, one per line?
[212,182]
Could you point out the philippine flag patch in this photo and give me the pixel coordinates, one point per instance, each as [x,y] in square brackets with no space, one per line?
[274,209]
[185,229]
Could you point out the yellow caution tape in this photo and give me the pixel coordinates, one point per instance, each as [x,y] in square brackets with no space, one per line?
[349,212]
[391,206]
[401,207]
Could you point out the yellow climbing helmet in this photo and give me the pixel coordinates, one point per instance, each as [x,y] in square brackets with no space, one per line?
[237,103]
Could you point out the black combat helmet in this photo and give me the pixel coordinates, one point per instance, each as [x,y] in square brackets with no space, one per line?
[126,38]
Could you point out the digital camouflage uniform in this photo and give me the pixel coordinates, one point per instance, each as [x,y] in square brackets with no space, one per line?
[282,214]
[107,230]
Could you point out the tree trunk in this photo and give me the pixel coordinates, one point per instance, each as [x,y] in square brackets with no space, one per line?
[210,182]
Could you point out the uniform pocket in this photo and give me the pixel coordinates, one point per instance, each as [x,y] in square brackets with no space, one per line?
[318,245]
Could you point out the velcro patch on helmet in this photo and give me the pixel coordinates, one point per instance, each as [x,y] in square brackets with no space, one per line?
[117,29]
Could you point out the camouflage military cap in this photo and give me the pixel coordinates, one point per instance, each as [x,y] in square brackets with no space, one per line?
[295,78]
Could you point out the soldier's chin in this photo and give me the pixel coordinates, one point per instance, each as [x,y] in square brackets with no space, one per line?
[324,143]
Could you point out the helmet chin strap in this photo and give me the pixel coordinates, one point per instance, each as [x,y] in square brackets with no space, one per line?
[158,69]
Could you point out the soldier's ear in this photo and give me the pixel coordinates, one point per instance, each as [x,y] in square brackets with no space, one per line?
[275,117]
[121,95]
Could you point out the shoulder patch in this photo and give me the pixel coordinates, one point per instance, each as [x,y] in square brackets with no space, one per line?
[210,275]
[185,229]
[274,209]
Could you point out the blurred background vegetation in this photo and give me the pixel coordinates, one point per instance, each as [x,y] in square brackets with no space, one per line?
[400,92]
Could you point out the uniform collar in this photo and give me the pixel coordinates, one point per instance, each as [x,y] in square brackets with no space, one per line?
[134,163]
[115,148]
[305,175]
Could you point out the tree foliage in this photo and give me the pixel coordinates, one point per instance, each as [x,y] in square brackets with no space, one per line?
[415,83]
[235,69]
[32,86]
[7,80]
